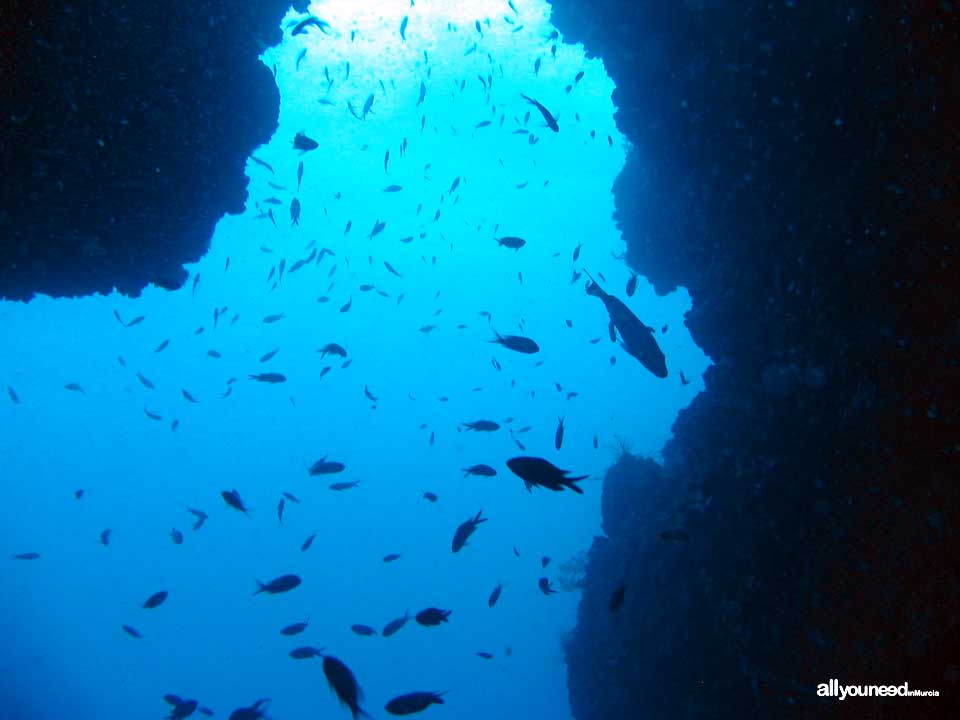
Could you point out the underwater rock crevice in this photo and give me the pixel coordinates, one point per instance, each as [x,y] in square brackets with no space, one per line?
[790,171]
[125,134]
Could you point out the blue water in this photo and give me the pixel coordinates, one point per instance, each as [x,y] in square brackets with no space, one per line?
[65,654]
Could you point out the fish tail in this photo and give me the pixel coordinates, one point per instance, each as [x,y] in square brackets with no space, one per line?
[260,587]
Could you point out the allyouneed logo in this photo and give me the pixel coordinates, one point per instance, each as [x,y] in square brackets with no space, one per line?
[835,689]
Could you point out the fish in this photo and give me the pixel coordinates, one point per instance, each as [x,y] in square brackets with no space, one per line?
[282,584]
[369,395]
[132,631]
[332,349]
[558,436]
[391,269]
[393,188]
[432,616]
[484,655]
[300,56]
[616,599]
[261,163]
[636,338]
[152,415]
[537,472]
[181,708]
[186,394]
[267,356]
[26,556]
[517,343]
[363,630]
[341,486]
[326,467]
[301,27]
[429,496]
[465,530]
[481,426]
[176,537]
[386,160]
[423,94]
[514,243]
[683,379]
[378,227]
[232,498]
[413,702]
[295,628]
[394,626]
[346,306]
[155,600]
[201,517]
[294,216]
[403,28]
[494,595]
[391,557]
[214,354]
[105,537]
[306,652]
[544,561]
[547,116]
[270,377]
[344,685]
[367,107]
[162,346]
[304,143]
[74,387]
[545,587]
[481,470]
[280,507]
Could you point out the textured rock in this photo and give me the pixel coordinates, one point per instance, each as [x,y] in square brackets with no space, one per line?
[125,131]
[792,171]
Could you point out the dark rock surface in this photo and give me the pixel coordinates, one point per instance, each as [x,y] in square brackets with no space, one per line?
[796,171]
[125,131]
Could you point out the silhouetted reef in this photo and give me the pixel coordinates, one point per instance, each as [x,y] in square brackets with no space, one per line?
[792,169]
[125,132]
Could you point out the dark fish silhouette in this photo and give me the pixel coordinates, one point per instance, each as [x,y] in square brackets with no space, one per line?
[547,115]
[494,595]
[306,652]
[155,600]
[201,518]
[132,631]
[391,557]
[517,343]
[484,655]
[363,630]
[310,21]
[340,486]
[481,426]
[432,616]
[514,243]
[232,498]
[326,467]
[105,537]
[403,28]
[558,436]
[295,628]
[393,627]
[636,338]
[545,587]
[344,685]
[465,530]
[26,556]
[270,377]
[282,584]
[429,496]
[294,212]
[481,470]
[303,143]
[413,703]
[537,472]
[307,543]
[176,537]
